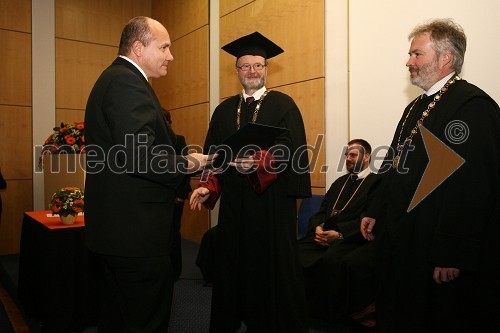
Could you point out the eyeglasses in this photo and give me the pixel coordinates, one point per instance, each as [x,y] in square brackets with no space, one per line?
[246,67]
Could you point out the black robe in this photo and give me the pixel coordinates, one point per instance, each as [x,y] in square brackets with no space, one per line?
[457,225]
[339,278]
[258,278]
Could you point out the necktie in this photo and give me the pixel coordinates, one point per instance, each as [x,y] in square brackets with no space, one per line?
[249,100]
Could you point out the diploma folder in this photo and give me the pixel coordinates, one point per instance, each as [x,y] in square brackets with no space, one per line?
[250,135]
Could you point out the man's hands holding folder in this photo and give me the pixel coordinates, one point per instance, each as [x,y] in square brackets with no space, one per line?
[244,164]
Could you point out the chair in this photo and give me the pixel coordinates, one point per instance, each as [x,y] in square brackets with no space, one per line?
[308,207]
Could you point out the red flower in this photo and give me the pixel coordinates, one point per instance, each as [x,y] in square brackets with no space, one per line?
[70,140]
[77,209]
[56,209]
[56,205]
[78,202]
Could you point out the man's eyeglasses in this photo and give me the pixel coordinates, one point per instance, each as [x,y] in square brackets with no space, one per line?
[246,67]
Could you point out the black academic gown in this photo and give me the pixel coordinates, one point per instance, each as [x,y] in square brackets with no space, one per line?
[339,278]
[258,278]
[457,225]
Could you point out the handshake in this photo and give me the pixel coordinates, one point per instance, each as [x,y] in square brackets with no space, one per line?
[197,161]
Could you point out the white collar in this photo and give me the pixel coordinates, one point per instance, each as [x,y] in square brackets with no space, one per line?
[255,95]
[364,173]
[438,85]
[136,66]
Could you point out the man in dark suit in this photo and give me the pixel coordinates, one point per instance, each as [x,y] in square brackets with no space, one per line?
[132,174]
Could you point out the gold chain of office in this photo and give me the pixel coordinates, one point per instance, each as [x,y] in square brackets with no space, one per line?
[335,211]
[255,112]
[426,112]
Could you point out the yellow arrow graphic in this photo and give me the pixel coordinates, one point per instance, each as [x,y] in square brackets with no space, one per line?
[443,162]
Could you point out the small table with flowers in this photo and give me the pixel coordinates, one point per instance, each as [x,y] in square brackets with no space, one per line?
[57,281]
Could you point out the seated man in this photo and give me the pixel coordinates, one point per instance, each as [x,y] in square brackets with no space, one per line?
[337,260]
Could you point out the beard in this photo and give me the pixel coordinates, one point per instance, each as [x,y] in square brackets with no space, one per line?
[252,83]
[354,167]
[426,75]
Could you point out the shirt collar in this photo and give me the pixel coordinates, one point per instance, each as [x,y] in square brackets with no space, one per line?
[364,173]
[136,66]
[438,85]
[256,94]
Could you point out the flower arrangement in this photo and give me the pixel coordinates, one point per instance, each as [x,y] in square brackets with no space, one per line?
[69,137]
[67,201]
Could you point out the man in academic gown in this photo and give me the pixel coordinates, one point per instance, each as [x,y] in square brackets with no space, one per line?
[439,260]
[257,276]
[132,174]
[338,262]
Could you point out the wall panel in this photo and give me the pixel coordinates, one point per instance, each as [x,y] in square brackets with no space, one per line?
[15,15]
[78,65]
[16,199]
[192,122]
[187,80]
[194,222]
[15,85]
[15,119]
[309,97]
[181,17]
[69,116]
[96,21]
[15,142]
[227,6]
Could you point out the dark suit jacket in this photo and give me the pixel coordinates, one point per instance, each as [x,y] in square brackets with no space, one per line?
[132,168]
[185,187]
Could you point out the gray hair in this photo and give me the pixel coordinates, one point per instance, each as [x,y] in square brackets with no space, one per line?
[137,29]
[446,36]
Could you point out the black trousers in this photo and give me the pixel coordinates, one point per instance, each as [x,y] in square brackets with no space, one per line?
[137,294]
[176,255]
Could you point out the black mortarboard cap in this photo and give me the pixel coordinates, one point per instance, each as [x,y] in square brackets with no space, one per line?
[253,44]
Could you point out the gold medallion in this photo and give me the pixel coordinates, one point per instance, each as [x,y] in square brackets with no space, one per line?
[395,162]
[336,212]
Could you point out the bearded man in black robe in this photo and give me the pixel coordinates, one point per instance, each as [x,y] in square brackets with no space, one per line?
[338,262]
[439,257]
[257,277]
